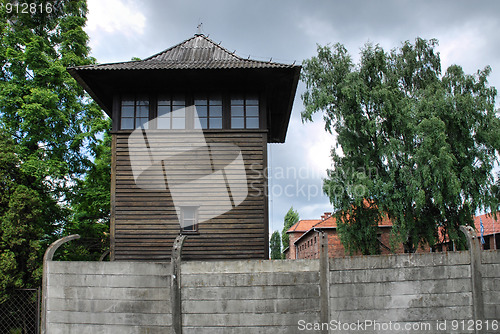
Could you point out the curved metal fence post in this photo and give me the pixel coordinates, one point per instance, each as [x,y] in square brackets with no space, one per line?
[175,284]
[103,255]
[475,273]
[49,254]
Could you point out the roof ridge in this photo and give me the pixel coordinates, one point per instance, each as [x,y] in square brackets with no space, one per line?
[233,54]
[223,48]
[217,45]
[294,225]
[196,52]
[322,220]
[170,48]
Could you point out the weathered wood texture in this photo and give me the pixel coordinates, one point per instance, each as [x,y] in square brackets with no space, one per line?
[145,222]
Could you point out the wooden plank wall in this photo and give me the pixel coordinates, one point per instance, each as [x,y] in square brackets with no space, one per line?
[145,223]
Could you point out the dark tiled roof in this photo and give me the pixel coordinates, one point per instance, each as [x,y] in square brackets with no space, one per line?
[198,52]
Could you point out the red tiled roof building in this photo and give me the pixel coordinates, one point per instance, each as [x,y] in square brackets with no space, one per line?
[305,236]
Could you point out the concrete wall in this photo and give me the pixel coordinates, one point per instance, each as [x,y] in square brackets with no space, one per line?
[270,296]
[249,296]
[408,289]
[491,284]
[108,297]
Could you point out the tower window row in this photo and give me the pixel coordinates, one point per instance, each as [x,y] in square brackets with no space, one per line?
[177,112]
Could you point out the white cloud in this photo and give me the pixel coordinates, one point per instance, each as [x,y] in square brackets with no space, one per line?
[461,47]
[314,211]
[112,17]
[319,145]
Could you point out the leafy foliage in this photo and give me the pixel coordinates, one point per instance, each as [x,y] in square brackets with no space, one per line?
[25,205]
[275,245]
[291,218]
[50,134]
[358,228]
[419,145]
[91,207]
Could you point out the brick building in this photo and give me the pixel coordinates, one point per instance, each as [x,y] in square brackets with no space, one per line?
[295,232]
[305,236]
[491,234]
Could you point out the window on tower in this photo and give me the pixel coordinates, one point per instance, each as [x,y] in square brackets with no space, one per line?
[209,110]
[244,112]
[134,112]
[171,112]
[190,111]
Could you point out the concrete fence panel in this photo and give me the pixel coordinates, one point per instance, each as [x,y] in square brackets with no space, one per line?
[414,290]
[420,293]
[249,296]
[491,285]
[108,297]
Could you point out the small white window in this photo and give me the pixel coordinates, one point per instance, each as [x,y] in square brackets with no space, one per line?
[189,219]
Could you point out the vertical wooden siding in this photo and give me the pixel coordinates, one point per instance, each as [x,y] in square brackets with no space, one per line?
[145,223]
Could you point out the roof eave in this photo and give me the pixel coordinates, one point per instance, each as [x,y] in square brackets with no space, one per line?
[291,99]
[314,229]
[73,71]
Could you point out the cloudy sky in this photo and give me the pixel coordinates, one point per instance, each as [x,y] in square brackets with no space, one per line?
[288,31]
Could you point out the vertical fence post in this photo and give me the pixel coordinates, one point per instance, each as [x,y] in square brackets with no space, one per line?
[175,285]
[476,276]
[49,254]
[324,281]
[38,308]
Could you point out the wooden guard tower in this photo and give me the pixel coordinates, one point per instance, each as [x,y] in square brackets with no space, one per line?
[190,131]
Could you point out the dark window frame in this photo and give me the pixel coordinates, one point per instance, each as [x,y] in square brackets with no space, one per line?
[172,104]
[189,98]
[211,110]
[136,117]
[246,108]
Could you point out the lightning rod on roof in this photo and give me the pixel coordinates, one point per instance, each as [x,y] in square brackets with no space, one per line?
[198,29]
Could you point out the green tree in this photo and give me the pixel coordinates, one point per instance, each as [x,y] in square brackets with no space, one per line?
[291,218]
[418,145]
[275,246]
[51,130]
[42,108]
[91,206]
[358,228]
[26,204]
